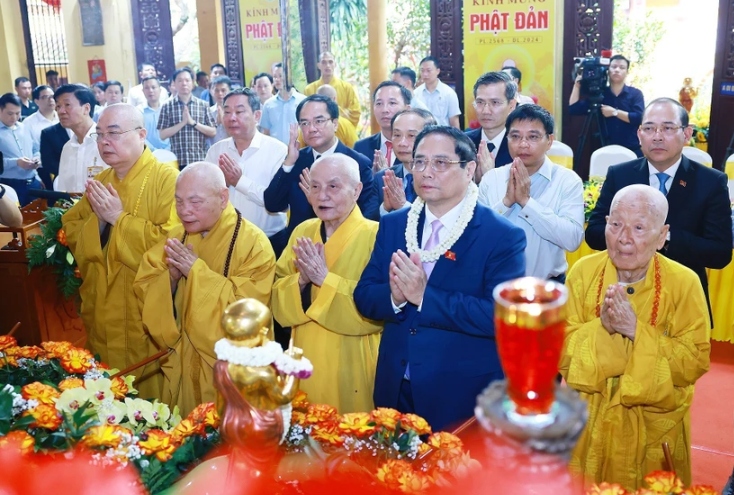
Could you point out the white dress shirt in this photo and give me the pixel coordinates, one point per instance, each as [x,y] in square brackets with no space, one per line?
[671,171]
[553,218]
[259,164]
[79,162]
[442,102]
[36,122]
[136,97]
[497,141]
[383,150]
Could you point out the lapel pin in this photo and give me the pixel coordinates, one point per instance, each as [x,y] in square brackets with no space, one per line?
[682,183]
[450,255]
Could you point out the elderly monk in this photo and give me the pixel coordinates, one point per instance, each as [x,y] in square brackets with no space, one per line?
[126,210]
[636,342]
[315,279]
[186,282]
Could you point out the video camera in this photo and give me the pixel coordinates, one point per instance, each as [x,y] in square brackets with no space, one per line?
[594,76]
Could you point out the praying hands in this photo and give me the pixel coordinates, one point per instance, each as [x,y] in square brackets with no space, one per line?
[232,171]
[408,280]
[393,192]
[616,313]
[485,162]
[105,202]
[180,257]
[310,262]
[518,185]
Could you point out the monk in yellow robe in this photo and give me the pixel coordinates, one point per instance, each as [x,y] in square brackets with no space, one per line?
[126,210]
[636,342]
[185,282]
[315,279]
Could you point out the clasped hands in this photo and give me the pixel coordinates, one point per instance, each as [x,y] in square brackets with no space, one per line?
[310,262]
[393,193]
[407,278]
[518,185]
[180,259]
[617,315]
[485,162]
[104,200]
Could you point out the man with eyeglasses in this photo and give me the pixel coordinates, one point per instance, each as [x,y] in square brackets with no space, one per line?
[699,216]
[495,96]
[125,210]
[430,279]
[542,198]
[43,97]
[317,117]
[80,158]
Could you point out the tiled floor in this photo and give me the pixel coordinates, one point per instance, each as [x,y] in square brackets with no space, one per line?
[712,419]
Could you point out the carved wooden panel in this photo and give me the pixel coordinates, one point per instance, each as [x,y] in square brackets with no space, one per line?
[233,41]
[721,131]
[447,43]
[153,35]
[315,34]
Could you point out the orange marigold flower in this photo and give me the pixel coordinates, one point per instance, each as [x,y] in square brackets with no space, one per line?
[606,489]
[327,432]
[44,394]
[103,436]
[445,441]
[664,482]
[46,416]
[701,490]
[416,423]
[20,439]
[206,414]
[77,360]
[56,349]
[61,237]
[71,382]
[8,361]
[119,387]
[423,448]
[300,401]
[158,442]
[391,472]
[7,341]
[386,417]
[321,413]
[298,418]
[185,429]
[414,482]
[28,352]
[359,424]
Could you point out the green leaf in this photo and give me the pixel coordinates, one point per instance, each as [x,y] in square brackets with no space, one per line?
[70,257]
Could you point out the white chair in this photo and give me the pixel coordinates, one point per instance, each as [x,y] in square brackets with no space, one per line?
[166,156]
[698,155]
[729,168]
[561,153]
[731,191]
[605,157]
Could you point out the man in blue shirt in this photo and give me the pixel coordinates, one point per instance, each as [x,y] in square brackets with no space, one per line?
[279,112]
[20,159]
[622,106]
[151,111]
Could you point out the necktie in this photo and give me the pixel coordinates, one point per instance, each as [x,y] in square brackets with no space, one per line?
[490,146]
[388,152]
[317,157]
[409,189]
[436,227]
[663,178]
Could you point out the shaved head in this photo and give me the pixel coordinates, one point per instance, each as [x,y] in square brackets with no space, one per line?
[642,195]
[201,196]
[327,90]
[206,175]
[123,113]
[341,164]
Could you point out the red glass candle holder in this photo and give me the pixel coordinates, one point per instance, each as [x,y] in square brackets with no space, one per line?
[529,327]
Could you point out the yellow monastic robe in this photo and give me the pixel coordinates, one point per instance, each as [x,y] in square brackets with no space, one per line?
[341,343]
[639,393]
[109,309]
[346,98]
[189,322]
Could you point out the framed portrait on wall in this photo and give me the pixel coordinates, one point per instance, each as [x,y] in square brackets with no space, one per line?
[92,25]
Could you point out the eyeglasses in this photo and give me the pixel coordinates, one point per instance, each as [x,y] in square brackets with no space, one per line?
[112,135]
[530,138]
[437,164]
[665,129]
[481,104]
[317,123]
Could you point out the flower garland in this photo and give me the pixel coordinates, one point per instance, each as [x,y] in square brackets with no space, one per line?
[411,232]
[269,354]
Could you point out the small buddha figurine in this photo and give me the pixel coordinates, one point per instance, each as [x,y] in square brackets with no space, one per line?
[252,388]
[687,94]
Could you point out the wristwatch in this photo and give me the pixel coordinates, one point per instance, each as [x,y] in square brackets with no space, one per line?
[615,113]
[195,124]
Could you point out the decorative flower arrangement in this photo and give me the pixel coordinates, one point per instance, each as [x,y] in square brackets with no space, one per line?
[265,355]
[659,483]
[592,189]
[50,248]
[385,442]
[57,397]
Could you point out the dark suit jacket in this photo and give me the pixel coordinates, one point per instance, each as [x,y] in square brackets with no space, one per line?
[368,145]
[699,214]
[399,170]
[53,139]
[284,192]
[503,154]
[450,343]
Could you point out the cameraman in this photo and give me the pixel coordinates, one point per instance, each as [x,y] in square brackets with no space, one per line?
[622,105]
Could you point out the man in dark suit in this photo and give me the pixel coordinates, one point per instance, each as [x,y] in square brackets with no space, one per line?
[53,139]
[388,99]
[699,213]
[495,96]
[438,347]
[317,117]
[395,184]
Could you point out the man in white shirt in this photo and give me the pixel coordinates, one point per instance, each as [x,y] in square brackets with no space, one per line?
[249,160]
[151,111]
[135,96]
[405,76]
[535,194]
[440,99]
[46,116]
[80,159]
[219,89]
